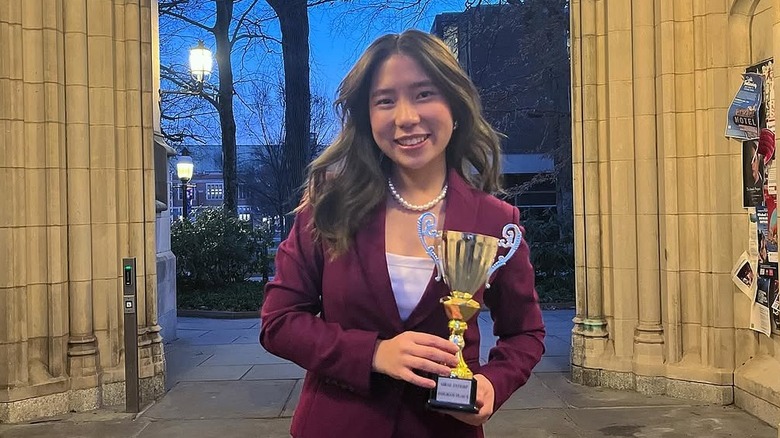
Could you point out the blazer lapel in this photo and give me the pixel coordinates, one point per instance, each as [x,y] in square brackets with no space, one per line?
[370,250]
[460,215]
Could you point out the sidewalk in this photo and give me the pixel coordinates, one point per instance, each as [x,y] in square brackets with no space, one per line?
[223,384]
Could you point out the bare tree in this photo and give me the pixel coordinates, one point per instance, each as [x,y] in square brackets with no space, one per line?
[264,173]
[232,29]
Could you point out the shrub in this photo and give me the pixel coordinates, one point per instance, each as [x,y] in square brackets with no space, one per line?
[243,296]
[218,249]
[551,239]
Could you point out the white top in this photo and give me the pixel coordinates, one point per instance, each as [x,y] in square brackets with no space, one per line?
[408,276]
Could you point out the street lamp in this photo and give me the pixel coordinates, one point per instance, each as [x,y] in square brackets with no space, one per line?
[184,169]
[200,62]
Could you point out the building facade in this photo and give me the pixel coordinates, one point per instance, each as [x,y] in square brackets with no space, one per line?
[517,56]
[659,216]
[77,165]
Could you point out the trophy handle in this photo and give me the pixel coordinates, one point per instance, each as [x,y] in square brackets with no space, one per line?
[426,227]
[512,239]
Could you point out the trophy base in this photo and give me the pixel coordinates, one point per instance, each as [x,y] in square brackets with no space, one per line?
[454,394]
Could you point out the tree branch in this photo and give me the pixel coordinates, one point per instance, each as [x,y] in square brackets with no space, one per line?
[240,22]
[188,20]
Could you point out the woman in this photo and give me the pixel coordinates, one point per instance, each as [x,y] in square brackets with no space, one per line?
[354,301]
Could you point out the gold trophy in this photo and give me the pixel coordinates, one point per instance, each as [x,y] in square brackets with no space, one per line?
[465,261]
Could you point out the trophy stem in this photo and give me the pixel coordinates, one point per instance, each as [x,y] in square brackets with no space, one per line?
[457,328]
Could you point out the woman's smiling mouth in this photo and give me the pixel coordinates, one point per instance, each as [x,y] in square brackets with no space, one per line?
[411,141]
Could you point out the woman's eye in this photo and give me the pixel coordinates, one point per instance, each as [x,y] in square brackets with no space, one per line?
[384,102]
[427,93]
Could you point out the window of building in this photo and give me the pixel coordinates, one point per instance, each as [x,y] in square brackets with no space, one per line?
[214,192]
[244,216]
[451,38]
[241,191]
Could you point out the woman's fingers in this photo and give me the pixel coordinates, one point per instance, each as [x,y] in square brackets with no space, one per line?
[421,364]
[436,342]
[436,355]
[417,380]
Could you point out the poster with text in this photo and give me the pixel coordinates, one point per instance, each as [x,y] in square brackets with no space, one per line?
[767,243]
[759,312]
[743,113]
[753,175]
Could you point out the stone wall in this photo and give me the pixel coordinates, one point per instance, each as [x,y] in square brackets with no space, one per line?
[76,168]
[658,207]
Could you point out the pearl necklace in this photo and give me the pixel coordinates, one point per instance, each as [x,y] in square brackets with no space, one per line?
[409,206]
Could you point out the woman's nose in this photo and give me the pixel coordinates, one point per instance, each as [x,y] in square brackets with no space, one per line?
[406,114]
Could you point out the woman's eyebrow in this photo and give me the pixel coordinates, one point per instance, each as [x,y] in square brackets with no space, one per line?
[414,85]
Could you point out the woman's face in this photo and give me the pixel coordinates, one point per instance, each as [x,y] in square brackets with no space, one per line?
[410,118]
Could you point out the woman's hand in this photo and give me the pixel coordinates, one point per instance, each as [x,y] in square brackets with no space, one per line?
[485,400]
[400,356]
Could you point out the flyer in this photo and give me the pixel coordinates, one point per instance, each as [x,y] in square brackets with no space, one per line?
[759,312]
[744,275]
[766,68]
[743,113]
[753,235]
[753,175]
[767,243]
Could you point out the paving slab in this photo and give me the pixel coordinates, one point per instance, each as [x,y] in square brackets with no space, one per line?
[78,426]
[265,428]
[556,346]
[217,324]
[223,400]
[553,364]
[256,356]
[275,371]
[218,372]
[190,333]
[533,395]
[532,423]
[292,403]
[671,422]
[215,337]
[578,396]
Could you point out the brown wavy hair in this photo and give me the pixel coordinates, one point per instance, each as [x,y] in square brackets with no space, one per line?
[348,180]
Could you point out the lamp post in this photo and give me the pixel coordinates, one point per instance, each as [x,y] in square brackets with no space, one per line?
[184,170]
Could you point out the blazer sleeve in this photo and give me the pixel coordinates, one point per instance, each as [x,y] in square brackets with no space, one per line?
[290,326]
[517,322]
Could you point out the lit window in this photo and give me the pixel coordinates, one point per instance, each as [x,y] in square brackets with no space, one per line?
[214,192]
[243,216]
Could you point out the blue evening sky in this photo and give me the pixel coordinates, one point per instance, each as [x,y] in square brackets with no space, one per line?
[337,40]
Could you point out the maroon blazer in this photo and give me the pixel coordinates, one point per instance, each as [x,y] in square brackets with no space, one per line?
[326,316]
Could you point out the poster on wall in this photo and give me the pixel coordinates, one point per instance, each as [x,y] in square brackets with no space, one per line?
[767,110]
[767,239]
[744,275]
[766,285]
[751,119]
[753,175]
[743,114]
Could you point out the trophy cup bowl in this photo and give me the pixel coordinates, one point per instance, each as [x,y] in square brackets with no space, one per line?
[465,261]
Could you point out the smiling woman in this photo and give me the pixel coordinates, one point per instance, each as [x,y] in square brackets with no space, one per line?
[353,300]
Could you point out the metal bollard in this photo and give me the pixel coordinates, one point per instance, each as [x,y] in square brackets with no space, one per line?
[131,335]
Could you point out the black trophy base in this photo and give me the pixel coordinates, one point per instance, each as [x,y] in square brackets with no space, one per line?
[454,394]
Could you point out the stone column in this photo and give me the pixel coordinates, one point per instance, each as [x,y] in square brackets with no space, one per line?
[648,336]
[590,325]
[82,347]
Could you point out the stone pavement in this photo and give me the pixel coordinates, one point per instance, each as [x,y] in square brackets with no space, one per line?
[222,383]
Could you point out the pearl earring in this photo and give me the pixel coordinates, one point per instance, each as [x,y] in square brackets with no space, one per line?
[455,125]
